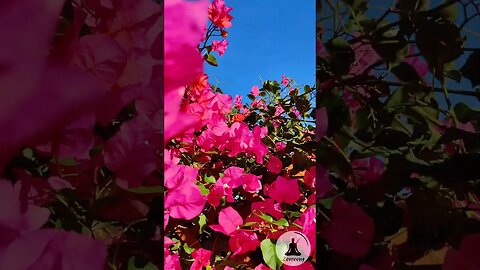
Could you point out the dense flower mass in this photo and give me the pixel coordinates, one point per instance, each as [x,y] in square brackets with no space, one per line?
[230,175]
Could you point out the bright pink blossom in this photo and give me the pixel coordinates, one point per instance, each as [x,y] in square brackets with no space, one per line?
[185,202]
[269,207]
[218,13]
[284,190]
[220,46]
[284,80]
[202,259]
[241,242]
[238,102]
[229,220]
[254,92]
[274,164]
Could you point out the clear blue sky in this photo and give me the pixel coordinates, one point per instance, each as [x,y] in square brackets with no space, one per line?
[268,38]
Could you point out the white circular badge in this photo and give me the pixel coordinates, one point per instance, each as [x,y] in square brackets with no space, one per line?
[293,248]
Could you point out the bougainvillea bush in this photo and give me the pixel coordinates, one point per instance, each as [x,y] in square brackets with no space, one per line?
[398,180]
[116,152]
[237,174]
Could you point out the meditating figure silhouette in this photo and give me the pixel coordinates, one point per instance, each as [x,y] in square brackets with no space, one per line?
[292,249]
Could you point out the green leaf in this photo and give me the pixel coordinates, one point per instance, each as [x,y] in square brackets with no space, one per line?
[448,13]
[439,42]
[398,97]
[250,96]
[205,191]
[28,153]
[269,254]
[188,249]
[65,162]
[281,222]
[327,202]
[177,244]
[267,218]
[307,89]
[464,113]
[209,58]
[209,179]
[202,220]
[454,74]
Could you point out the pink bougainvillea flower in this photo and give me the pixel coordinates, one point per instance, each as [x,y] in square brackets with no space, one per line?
[254,92]
[220,46]
[262,267]
[202,259]
[233,176]
[185,202]
[12,215]
[365,56]
[179,175]
[101,56]
[75,140]
[309,177]
[349,238]
[237,102]
[295,111]
[465,258]
[278,110]
[241,242]
[170,158]
[284,190]
[218,13]
[274,164]
[199,85]
[228,220]
[251,183]
[47,248]
[269,207]
[417,62]
[184,28]
[368,170]
[54,249]
[38,98]
[128,153]
[308,222]
[284,80]
[172,261]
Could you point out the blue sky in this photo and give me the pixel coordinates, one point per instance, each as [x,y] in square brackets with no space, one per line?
[268,38]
